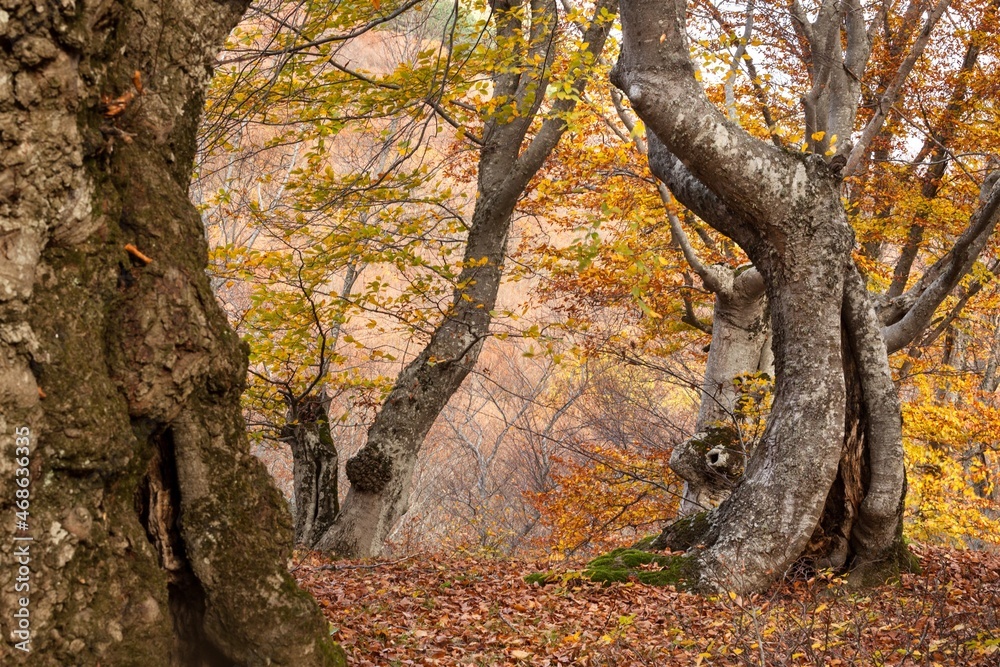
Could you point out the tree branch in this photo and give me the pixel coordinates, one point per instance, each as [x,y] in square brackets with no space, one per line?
[692,193]
[655,71]
[893,91]
[716,280]
[944,275]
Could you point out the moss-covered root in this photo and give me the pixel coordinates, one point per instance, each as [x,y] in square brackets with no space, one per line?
[629,564]
[686,532]
[869,574]
[648,568]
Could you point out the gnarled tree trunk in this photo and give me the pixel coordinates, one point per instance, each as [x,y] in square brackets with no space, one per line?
[155,538]
[827,480]
[713,459]
[785,211]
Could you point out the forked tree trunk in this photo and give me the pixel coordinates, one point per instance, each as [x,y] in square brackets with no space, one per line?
[381,473]
[155,538]
[773,205]
[831,543]
[861,520]
[785,211]
[766,523]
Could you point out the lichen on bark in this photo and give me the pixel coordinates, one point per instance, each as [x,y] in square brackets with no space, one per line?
[158,539]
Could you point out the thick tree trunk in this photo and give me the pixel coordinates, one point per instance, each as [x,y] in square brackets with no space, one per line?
[861,522]
[314,469]
[154,537]
[785,211]
[765,524]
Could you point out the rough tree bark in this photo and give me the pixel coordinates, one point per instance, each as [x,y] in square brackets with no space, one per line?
[712,460]
[155,538]
[315,468]
[380,474]
[785,211]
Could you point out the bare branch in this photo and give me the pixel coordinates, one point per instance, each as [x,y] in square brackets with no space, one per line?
[716,280]
[945,274]
[893,91]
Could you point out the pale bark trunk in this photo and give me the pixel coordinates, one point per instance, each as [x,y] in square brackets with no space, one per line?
[776,207]
[766,523]
[713,459]
[157,539]
[785,212]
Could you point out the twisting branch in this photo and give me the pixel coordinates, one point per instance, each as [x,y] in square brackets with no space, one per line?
[655,71]
[716,280]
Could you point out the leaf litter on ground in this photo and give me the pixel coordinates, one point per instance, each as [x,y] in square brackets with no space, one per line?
[472,612]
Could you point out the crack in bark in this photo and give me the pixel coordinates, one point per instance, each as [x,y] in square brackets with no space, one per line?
[158,503]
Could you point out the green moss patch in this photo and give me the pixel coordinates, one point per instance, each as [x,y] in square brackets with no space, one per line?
[623,565]
[643,566]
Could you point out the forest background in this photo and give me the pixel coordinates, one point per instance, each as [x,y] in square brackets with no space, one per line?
[337,177]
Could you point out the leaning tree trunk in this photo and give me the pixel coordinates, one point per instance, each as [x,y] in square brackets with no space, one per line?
[148,534]
[381,473]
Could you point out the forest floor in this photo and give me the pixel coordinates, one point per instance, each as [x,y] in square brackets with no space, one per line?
[437,610]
